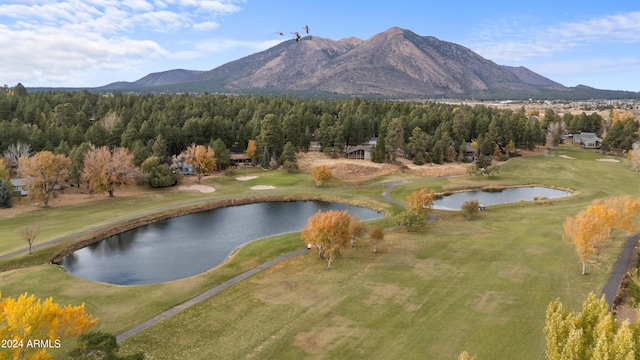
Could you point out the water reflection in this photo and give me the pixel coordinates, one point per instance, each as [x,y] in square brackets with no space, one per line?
[188,245]
[455,201]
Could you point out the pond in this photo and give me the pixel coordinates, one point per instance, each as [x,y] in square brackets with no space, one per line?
[485,198]
[191,244]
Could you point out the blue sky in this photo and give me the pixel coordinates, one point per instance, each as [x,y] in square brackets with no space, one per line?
[80,43]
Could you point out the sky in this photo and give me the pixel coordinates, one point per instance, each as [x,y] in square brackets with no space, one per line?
[90,43]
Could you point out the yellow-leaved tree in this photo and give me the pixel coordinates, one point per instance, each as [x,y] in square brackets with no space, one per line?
[593,333]
[357,228]
[417,205]
[590,229]
[588,233]
[327,233]
[377,236]
[321,174]
[420,201]
[31,328]
[201,158]
[44,172]
[105,168]
[251,150]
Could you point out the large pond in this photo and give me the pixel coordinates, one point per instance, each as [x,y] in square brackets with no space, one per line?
[485,198]
[191,244]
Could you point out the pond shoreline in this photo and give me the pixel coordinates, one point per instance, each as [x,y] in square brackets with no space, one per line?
[102,234]
[499,188]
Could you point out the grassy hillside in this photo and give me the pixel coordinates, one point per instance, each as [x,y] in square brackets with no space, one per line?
[481,285]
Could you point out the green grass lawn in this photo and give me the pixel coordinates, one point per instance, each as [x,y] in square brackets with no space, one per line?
[480,286]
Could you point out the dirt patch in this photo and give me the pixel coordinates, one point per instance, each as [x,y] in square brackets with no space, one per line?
[321,340]
[381,293]
[357,170]
[342,168]
[201,188]
[288,292]
[514,273]
[436,170]
[430,268]
[536,250]
[263,187]
[491,301]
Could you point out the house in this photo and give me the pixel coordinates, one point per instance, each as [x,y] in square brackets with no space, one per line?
[470,153]
[20,187]
[587,140]
[239,159]
[362,152]
[186,169]
[635,147]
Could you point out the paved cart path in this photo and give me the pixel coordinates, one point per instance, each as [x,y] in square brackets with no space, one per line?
[207,294]
[619,270]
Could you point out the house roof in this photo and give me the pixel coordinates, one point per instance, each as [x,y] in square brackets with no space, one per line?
[18,182]
[351,149]
[239,156]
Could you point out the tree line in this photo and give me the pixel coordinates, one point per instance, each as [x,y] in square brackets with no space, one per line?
[432,132]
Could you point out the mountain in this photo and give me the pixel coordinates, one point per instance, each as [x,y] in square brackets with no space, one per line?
[396,63]
[164,78]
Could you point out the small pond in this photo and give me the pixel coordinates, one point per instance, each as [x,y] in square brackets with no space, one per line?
[191,244]
[509,195]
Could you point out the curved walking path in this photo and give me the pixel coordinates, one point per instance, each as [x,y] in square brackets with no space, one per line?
[207,294]
[619,270]
[213,291]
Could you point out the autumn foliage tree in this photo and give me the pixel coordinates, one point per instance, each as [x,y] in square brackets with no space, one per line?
[470,208]
[357,228]
[251,149]
[321,174]
[593,333]
[201,158]
[417,205]
[27,319]
[420,201]
[327,233]
[377,236]
[43,172]
[590,229]
[104,169]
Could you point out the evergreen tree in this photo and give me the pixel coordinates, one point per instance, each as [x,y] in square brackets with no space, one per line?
[5,194]
[158,173]
[223,158]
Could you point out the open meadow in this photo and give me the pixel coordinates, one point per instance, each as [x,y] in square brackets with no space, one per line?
[479,285]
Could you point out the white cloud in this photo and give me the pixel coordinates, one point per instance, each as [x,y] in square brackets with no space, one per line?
[220,45]
[206,26]
[590,66]
[60,41]
[510,42]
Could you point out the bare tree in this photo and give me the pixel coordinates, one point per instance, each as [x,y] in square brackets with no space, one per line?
[13,154]
[110,120]
[29,233]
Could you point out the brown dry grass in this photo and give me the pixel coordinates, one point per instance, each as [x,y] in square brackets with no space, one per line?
[351,169]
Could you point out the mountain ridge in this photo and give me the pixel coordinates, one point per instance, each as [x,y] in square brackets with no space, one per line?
[393,64]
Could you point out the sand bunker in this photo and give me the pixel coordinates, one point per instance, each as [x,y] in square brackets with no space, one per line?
[608,160]
[263,187]
[201,188]
[246,178]
[566,157]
